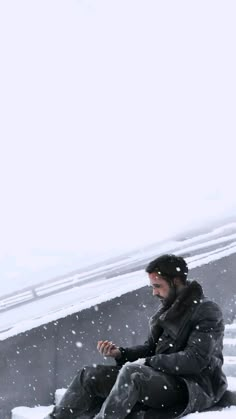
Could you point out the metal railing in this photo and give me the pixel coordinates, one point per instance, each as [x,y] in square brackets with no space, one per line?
[135,261]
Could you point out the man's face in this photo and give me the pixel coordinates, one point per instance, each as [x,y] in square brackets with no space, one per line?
[162,289]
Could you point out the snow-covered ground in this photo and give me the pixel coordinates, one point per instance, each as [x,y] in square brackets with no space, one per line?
[40,411]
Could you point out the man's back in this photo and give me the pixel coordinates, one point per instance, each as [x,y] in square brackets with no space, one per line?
[186,340]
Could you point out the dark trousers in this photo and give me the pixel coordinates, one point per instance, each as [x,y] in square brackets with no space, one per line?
[113,392]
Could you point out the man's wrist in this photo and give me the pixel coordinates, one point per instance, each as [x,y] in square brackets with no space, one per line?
[122,357]
[119,355]
[147,361]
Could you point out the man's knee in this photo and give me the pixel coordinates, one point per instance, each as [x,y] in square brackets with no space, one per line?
[94,373]
[139,375]
[88,373]
[131,367]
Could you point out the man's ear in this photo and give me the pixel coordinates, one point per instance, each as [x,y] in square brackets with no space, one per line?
[176,280]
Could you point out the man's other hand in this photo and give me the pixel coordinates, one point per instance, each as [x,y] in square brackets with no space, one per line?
[107,348]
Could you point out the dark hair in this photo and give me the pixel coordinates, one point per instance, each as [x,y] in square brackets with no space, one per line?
[169,266]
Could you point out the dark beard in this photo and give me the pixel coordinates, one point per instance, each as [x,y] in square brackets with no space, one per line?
[167,302]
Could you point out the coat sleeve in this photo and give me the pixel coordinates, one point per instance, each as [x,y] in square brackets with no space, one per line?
[206,333]
[135,352]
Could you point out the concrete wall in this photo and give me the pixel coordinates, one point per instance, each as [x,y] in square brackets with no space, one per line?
[35,363]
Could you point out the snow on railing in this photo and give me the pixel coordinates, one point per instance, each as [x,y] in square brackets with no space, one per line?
[191,248]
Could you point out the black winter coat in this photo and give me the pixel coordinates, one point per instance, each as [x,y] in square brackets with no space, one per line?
[187,340]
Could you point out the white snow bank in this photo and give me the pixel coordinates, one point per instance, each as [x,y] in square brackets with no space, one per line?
[227,413]
[231,383]
[59,394]
[230,341]
[231,326]
[40,412]
[230,360]
[31,413]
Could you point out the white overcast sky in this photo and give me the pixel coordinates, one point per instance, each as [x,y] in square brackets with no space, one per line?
[117,125]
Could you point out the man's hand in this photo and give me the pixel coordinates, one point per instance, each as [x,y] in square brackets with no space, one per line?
[107,348]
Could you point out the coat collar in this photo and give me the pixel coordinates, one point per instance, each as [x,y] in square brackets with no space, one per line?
[189,297]
[175,317]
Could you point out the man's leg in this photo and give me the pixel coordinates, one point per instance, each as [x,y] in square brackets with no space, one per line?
[139,383]
[89,388]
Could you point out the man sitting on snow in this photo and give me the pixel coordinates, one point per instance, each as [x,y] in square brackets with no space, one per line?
[178,369]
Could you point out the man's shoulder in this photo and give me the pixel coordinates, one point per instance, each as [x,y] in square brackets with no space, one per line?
[208,302]
[208,307]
